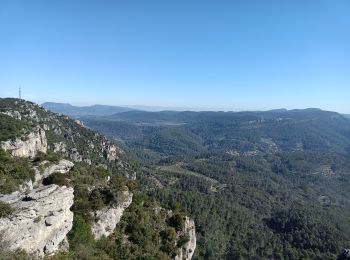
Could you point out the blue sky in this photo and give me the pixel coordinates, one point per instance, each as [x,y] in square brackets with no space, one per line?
[240,55]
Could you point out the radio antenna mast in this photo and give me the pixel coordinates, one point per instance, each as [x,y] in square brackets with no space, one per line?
[20,93]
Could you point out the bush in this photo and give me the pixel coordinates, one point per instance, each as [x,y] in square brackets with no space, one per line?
[56,178]
[177,221]
[50,156]
[183,240]
[11,128]
[132,185]
[13,172]
[5,209]
[81,233]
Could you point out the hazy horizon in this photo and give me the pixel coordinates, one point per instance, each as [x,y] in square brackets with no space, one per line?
[196,109]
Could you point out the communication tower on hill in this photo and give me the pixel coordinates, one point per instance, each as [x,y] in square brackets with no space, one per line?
[20,93]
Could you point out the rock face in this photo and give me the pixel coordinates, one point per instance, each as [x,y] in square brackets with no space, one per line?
[59,147]
[41,220]
[75,156]
[63,166]
[14,114]
[33,143]
[108,218]
[187,250]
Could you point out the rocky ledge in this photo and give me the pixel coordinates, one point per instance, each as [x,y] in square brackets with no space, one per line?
[41,219]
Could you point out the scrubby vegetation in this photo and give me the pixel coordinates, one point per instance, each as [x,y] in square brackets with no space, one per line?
[13,172]
[12,128]
[5,210]
[143,233]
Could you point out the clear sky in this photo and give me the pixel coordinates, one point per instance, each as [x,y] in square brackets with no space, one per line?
[237,54]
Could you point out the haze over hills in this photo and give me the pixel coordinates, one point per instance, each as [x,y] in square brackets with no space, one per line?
[101,110]
[76,111]
[289,130]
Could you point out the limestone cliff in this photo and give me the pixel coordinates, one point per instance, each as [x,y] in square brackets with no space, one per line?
[108,218]
[27,146]
[63,166]
[41,220]
[187,250]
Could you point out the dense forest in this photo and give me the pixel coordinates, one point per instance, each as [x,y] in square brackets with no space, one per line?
[259,185]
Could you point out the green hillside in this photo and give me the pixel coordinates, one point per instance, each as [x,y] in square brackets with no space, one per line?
[260,185]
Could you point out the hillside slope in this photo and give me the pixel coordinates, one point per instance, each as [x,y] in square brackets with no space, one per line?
[69,191]
[259,185]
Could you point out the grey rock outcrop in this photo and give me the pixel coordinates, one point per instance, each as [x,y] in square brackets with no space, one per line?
[187,250]
[12,113]
[59,147]
[63,166]
[41,220]
[75,156]
[109,217]
[31,144]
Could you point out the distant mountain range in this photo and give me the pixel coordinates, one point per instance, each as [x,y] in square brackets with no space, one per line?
[284,130]
[76,111]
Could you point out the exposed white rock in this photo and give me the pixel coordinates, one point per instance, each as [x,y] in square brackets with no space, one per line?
[79,122]
[111,152]
[187,250]
[63,166]
[41,220]
[31,144]
[13,113]
[59,147]
[109,217]
[57,131]
[88,161]
[75,156]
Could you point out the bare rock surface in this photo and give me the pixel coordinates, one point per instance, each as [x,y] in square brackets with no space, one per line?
[28,146]
[187,250]
[63,166]
[41,219]
[109,217]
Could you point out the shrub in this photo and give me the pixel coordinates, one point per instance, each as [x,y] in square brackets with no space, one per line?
[56,178]
[50,156]
[81,233]
[183,240]
[13,172]
[177,221]
[132,185]
[5,209]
